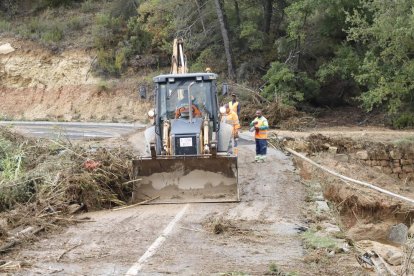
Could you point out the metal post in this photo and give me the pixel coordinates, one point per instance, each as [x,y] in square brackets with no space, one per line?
[190,103]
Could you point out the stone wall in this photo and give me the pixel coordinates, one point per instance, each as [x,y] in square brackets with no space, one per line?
[391,160]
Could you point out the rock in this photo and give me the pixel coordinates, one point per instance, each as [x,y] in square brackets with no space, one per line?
[396,154]
[379,154]
[342,157]
[318,197]
[407,169]
[345,248]
[406,162]
[378,168]
[331,228]
[398,233]
[396,162]
[386,170]
[333,150]
[3,223]
[391,254]
[6,49]
[397,170]
[322,206]
[363,155]
[411,230]
[331,253]
[385,163]
[73,208]
[393,257]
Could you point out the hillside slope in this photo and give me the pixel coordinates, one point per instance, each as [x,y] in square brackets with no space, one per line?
[37,84]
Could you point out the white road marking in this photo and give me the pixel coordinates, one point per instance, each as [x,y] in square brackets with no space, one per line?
[135,268]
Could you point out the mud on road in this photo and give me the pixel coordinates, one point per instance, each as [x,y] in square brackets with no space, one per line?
[209,238]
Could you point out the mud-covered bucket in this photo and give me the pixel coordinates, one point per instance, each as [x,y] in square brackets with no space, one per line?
[183,179]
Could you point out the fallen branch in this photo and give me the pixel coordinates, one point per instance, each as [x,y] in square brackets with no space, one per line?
[8,246]
[74,220]
[10,266]
[132,181]
[137,204]
[67,251]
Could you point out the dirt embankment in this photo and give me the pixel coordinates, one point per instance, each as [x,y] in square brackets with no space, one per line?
[39,84]
[373,221]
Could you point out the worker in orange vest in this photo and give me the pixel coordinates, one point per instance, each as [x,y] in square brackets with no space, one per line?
[260,127]
[234,104]
[230,117]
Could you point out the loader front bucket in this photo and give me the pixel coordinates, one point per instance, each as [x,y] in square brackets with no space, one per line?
[182,179]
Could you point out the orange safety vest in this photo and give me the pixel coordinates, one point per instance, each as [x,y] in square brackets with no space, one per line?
[261,133]
[233,106]
[232,119]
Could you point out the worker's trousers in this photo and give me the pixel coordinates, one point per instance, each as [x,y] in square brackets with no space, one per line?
[261,148]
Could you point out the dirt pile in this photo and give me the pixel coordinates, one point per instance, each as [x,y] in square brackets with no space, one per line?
[39,84]
[42,182]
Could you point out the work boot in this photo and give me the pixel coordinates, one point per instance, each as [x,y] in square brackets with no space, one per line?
[262,159]
[256,159]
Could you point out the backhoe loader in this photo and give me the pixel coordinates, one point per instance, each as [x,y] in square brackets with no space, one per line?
[188,154]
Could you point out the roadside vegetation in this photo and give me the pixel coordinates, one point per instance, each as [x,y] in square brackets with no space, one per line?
[303,53]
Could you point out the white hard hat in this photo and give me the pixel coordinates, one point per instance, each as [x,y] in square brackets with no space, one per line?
[222,109]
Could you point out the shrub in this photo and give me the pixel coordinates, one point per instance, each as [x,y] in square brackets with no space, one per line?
[287,86]
[76,23]
[88,6]
[4,26]
[405,120]
[117,41]
[55,34]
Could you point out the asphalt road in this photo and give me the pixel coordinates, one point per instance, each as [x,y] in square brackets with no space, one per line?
[72,130]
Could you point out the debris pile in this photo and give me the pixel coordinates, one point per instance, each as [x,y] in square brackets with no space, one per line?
[42,182]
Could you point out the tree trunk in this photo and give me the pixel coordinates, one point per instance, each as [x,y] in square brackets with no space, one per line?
[267,12]
[226,41]
[237,10]
[201,17]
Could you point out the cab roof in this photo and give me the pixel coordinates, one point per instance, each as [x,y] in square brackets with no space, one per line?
[167,77]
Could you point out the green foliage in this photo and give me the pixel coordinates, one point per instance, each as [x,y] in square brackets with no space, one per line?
[286,86]
[254,38]
[57,3]
[315,241]
[204,60]
[317,51]
[11,158]
[342,66]
[275,270]
[384,30]
[5,26]
[404,120]
[117,41]
[124,9]
[47,31]
[54,34]
[89,6]
[106,62]
[76,23]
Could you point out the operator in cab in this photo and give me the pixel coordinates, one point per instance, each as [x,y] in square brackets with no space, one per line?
[183,108]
